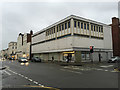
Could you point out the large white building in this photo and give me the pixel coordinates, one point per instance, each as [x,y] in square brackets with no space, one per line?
[72,37]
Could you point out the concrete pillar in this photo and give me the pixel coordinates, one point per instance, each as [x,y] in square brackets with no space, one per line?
[78,57]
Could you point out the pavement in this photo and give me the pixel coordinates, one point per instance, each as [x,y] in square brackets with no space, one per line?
[55,76]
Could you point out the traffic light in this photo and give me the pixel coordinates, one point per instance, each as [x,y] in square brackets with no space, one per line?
[91,49]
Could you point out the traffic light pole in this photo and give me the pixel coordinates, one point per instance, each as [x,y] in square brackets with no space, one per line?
[91,57]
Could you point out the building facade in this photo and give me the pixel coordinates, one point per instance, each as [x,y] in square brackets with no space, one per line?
[12,48]
[23,46]
[71,38]
[116,36]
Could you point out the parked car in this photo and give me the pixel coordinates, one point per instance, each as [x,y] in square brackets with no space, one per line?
[23,59]
[114,59]
[10,58]
[35,59]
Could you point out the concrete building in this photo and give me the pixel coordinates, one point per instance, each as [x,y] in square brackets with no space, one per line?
[116,36]
[23,45]
[71,38]
[12,48]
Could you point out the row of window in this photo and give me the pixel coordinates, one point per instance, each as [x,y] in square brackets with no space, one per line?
[94,27]
[58,28]
[79,24]
[14,47]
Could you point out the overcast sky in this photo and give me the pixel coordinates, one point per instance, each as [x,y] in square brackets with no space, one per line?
[25,16]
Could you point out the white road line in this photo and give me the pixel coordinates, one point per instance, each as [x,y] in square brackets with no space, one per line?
[35,82]
[7,72]
[30,80]
[26,77]
[106,70]
[71,71]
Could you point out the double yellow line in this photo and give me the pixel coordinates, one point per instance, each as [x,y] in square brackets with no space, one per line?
[50,88]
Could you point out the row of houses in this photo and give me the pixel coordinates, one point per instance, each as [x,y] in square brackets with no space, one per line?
[70,38]
[21,48]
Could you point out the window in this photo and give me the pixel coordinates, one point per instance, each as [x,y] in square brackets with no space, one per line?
[102,29]
[46,33]
[65,25]
[57,29]
[74,23]
[62,26]
[84,25]
[69,24]
[50,31]
[92,27]
[16,47]
[87,26]
[54,29]
[78,24]
[12,47]
[81,25]
[99,29]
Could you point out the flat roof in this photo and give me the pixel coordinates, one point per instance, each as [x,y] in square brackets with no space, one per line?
[67,18]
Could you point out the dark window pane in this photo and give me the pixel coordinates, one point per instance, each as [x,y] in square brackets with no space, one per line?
[62,26]
[74,23]
[84,25]
[94,27]
[54,29]
[78,24]
[69,24]
[57,29]
[87,26]
[99,29]
[81,25]
[65,25]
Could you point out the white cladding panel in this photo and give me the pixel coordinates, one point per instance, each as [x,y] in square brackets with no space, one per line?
[39,38]
[107,37]
[64,43]
[85,42]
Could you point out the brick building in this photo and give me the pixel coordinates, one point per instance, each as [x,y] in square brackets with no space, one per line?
[116,36]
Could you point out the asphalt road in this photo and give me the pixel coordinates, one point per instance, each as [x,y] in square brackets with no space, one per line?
[48,75]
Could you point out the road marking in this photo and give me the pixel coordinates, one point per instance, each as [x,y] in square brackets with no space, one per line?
[71,71]
[35,82]
[106,70]
[30,80]
[106,66]
[7,72]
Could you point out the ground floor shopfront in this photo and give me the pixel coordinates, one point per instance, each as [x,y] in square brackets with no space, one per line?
[75,56]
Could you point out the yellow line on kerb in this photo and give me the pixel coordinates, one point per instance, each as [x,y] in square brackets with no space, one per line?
[50,88]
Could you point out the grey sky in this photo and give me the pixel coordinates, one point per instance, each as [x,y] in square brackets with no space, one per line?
[23,17]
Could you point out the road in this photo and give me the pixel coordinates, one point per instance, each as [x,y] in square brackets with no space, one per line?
[49,75]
